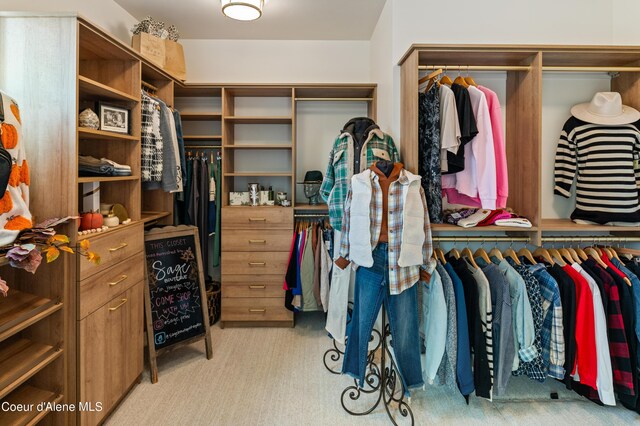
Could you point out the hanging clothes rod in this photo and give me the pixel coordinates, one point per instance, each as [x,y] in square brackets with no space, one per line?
[476,67]
[602,239]
[203,146]
[482,239]
[148,85]
[590,69]
[336,99]
[318,215]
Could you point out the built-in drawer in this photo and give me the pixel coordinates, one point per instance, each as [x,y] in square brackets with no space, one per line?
[242,279]
[113,247]
[250,262]
[255,309]
[257,217]
[100,288]
[257,240]
[252,289]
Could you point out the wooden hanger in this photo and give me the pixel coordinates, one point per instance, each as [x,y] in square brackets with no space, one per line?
[430,76]
[445,79]
[470,81]
[614,253]
[495,252]
[566,254]
[596,256]
[460,80]
[544,253]
[466,252]
[581,253]
[574,255]
[439,255]
[555,254]
[454,253]
[525,252]
[627,252]
[510,252]
[482,253]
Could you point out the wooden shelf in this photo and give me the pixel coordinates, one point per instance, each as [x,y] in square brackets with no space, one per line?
[308,207]
[259,146]
[202,137]
[85,133]
[147,217]
[446,227]
[259,120]
[19,310]
[107,178]
[89,87]
[259,174]
[20,360]
[567,225]
[201,116]
[28,395]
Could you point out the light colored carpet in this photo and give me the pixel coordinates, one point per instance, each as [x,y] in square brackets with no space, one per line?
[276,377]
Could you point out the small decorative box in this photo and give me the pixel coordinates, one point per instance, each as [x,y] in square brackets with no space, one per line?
[264,198]
[91,197]
[239,198]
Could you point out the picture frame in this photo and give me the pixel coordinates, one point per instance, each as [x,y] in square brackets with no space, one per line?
[113,118]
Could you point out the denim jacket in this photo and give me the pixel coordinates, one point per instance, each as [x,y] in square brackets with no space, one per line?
[377,146]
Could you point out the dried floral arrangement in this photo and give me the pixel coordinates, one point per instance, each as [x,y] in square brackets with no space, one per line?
[156,28]
[27,250]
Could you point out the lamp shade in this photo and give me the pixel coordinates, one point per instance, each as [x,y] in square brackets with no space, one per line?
[242,10]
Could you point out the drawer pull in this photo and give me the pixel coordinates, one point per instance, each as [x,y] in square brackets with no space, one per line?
[118,281]
[257,241]
[257,311]
[257,263]
[257,219]
[120,247]
[115,308]
[257,287]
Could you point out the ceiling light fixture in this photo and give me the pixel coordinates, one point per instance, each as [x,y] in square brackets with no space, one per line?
[243,10]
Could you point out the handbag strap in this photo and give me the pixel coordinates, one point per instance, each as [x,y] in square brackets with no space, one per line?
[1,108]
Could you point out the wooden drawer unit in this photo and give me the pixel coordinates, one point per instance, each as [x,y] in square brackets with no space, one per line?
[111,352]
[257,240]
[255,309]
[98,289]
[257,218]
[113,247]
[251,289]
[242,279]
[258,263]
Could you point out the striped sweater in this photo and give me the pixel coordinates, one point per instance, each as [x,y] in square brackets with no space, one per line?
[604,159]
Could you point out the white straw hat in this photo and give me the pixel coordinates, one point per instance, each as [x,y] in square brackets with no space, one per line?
[606,108]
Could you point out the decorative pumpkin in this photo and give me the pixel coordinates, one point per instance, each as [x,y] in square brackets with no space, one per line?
[24,173]
[6,203]
[91,220]
[16,111]
[14,177]
[17,223]
[9,136]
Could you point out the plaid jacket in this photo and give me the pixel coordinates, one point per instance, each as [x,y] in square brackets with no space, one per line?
[400,278]
[377,146]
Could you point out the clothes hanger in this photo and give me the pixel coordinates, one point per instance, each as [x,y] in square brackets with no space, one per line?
[440,255]
[430,78]
[557,257]
[445,78]
[544,253]
[460,80]
[466,252]
[581,254]
[566,255]
[574,255]
[525,252]
[470,81]
[497,253]
[482,253]
[596,256]
[512,254]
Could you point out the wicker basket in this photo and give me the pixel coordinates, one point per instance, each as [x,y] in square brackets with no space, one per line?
[214,299]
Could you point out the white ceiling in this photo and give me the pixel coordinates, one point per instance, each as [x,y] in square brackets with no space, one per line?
[281,19]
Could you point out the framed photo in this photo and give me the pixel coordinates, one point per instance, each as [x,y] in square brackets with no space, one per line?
[113,118]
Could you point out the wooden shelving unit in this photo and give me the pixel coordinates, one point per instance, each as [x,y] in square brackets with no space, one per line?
[201,116]
[93,89]
[446,227]
[85,133]
[153,216]
[202,137]
[567,225]
[259,146]
[28,395]
[108,178]
[20,310]
[257,174]
[308,207]
[259,120]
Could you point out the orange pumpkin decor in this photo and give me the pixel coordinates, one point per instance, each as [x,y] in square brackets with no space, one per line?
[14,177]
[16,111]
[24,173]
[17,223]
[6,203]
[92,220]
[9,136]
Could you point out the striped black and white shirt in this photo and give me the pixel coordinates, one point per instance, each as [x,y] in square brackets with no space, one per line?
[604,158]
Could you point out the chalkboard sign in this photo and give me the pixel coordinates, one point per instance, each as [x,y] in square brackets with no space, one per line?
[175,297]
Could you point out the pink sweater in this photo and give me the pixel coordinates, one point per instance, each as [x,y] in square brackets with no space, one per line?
[501,173]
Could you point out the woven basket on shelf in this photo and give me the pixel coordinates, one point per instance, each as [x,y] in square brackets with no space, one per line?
[214,299]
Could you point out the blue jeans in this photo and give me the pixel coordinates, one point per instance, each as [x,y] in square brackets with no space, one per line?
[371,291]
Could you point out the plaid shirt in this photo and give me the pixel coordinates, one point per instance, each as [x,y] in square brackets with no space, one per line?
[400,278]
[552,334]
[378,146]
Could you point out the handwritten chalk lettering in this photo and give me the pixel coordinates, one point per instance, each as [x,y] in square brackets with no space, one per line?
[170,273]
[177,242]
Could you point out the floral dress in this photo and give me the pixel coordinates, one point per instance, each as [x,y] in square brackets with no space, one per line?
[429,150]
